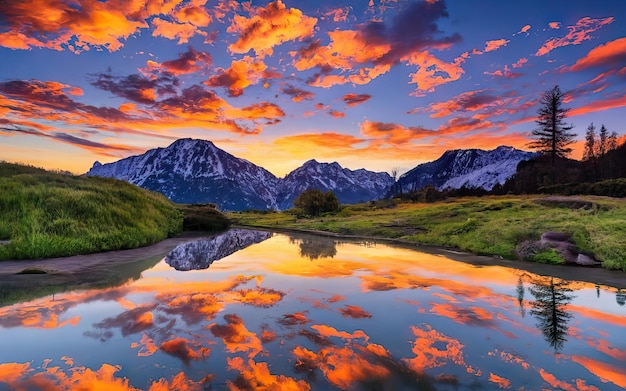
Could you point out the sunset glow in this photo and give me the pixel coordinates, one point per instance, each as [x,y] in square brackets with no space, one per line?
[377,85]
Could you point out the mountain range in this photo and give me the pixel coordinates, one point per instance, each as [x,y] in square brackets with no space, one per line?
[196,171]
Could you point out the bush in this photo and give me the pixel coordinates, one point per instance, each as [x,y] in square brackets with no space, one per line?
[314,202]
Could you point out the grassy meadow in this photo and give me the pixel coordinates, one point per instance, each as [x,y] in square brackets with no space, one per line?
[491,225]
[44,214]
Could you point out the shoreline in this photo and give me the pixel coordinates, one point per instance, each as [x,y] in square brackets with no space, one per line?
[99,269]
[592,274]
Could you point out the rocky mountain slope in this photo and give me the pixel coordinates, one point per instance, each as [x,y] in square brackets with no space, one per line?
[349,186]
[473,168]
[196,171]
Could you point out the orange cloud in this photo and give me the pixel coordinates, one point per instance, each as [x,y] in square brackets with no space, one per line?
[520,62]
[606,372]
[179,348]
[269,27]
[337,114]
[495,44]
[578,33]
[432,72]
[524,29]
[240,75]
[172,30]
[257,376]
[554,25]
[393,133]
[610,54]
[338,14]
[599,105]
[500,381]
[297,94]
[433,349]
[236,336]
[54,24]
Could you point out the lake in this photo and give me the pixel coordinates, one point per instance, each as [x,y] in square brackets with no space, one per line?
[254,310]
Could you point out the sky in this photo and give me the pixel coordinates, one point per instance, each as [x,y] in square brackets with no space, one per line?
[378,84]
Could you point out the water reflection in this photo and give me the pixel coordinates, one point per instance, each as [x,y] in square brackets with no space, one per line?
[315,247]
[200,254]
[369,317]
[549,308]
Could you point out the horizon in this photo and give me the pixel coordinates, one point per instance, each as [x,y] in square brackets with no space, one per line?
[389,84]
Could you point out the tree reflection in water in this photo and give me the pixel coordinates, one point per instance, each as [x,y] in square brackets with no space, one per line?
[551,298]
[620,297]
[520,296]
[315,247]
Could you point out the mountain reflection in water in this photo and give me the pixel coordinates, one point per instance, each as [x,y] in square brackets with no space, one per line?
[302,312]
[200,254]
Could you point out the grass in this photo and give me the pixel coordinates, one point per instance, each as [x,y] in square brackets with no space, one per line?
[203,217]
[493,225]
[43,214]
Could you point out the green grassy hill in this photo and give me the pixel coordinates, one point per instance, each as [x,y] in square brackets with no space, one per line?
[44,214]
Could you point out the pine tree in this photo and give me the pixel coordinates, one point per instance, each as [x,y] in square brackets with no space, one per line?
[612,142]
[590,143]
[604,138]
[552,136]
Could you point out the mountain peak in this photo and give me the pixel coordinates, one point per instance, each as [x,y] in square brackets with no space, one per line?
[466,167]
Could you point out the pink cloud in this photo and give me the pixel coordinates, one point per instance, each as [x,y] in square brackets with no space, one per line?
[611,54]
[495,44]
[578,33]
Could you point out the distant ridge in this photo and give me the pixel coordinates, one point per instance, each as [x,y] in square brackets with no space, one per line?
[196,171]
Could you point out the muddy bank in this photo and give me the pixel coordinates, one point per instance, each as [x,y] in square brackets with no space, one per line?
[29,279]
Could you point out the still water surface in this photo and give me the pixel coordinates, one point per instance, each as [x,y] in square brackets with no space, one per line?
[252,310]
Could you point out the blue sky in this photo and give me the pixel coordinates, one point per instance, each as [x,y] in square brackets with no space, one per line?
[381,84]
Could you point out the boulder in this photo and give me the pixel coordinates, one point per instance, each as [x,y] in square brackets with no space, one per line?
[563,244]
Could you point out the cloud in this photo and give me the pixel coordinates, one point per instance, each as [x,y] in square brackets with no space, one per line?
[179,348]
[610,55]
[355,312]
[188,62]
[269,27]
[432,72]
[393,133]
[506,72]
[554,25]
[337,114]
[338,14]
[577,34]
[495,44]
[525,29]
[73,25]
[136,87]
[599,105]
[356,99]
[297,94]
[370,50]
[466,101]
[240,75]
[520,63]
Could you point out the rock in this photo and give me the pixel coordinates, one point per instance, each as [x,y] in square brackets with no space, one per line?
[586,260]
[555,237]
[563,244]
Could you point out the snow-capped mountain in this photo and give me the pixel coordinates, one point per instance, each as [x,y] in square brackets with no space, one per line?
[473,168]
[196,171]
[349,186]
